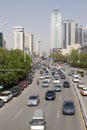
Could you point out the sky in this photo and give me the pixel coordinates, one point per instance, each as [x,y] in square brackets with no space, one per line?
[35,17]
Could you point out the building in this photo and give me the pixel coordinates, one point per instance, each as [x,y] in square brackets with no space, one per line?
[68,33]
[18,38]
[83,35]
[71,36]
[1,39]
[77,33]
[39,48]
[56,30]
[29,44]
[4,43]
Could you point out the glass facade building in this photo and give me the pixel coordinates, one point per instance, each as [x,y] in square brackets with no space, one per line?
[68,33]
[1,39]
[56,30]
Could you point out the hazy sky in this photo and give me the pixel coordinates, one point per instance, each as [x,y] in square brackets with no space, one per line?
[35,16]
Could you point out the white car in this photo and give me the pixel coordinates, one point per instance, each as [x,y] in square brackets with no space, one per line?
[80,85]
[75,78]
[33,100]
[41,76]
[56,81]
[47,78]
[6,95]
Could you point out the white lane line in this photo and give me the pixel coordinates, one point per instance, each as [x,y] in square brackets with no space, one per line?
[58,113]
[60,99]
[19,113]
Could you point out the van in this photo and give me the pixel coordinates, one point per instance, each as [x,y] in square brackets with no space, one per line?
[38,120]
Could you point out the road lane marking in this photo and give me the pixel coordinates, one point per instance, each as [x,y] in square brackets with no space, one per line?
[60,99]
[19,113]
[58,113]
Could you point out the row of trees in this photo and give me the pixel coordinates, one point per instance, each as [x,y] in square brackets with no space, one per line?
[75,58]
[78,59]
[12,66]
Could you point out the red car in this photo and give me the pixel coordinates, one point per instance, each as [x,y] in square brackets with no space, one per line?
[25,84]
[84,91]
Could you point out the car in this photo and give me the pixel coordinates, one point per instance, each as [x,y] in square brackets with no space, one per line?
[33,100]
[25,84]
[80,85]
[21,86]
[47,78]
[62,76]
[16,91]
[46,72]
[1,102]
[41,72]
[41,76]
[68,107]
[70,73]
[66,84]
[45,84]
[56,81]
[50,95]
[57,88]
[29,78]
[6,95]
[75,78]
[84,91]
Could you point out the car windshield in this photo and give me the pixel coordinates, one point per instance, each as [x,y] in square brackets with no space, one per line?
[45,82]
[37,122]
[50,93]
[57,86]
[66,82]
[33,97]
[4,94]
[68,104]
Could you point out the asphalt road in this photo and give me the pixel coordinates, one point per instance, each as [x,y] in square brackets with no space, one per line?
[16,115]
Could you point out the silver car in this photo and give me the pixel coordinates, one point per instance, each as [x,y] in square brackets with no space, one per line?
[33,100]
[45,84]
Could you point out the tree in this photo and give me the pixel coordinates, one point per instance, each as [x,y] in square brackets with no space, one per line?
[12,66]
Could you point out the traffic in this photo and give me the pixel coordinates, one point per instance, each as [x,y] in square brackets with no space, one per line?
[57,99]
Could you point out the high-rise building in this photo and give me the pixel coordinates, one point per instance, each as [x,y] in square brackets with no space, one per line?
[68,33]
[83,35]
[56,30]
[1,39]
[77,33]
[29,44]
[18,37]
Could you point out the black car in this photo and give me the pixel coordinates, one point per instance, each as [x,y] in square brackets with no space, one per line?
[21,86]
[29,78]
[1,102]
[66,84]
[62,76]
[50,95]
[16,91]
[68,108]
